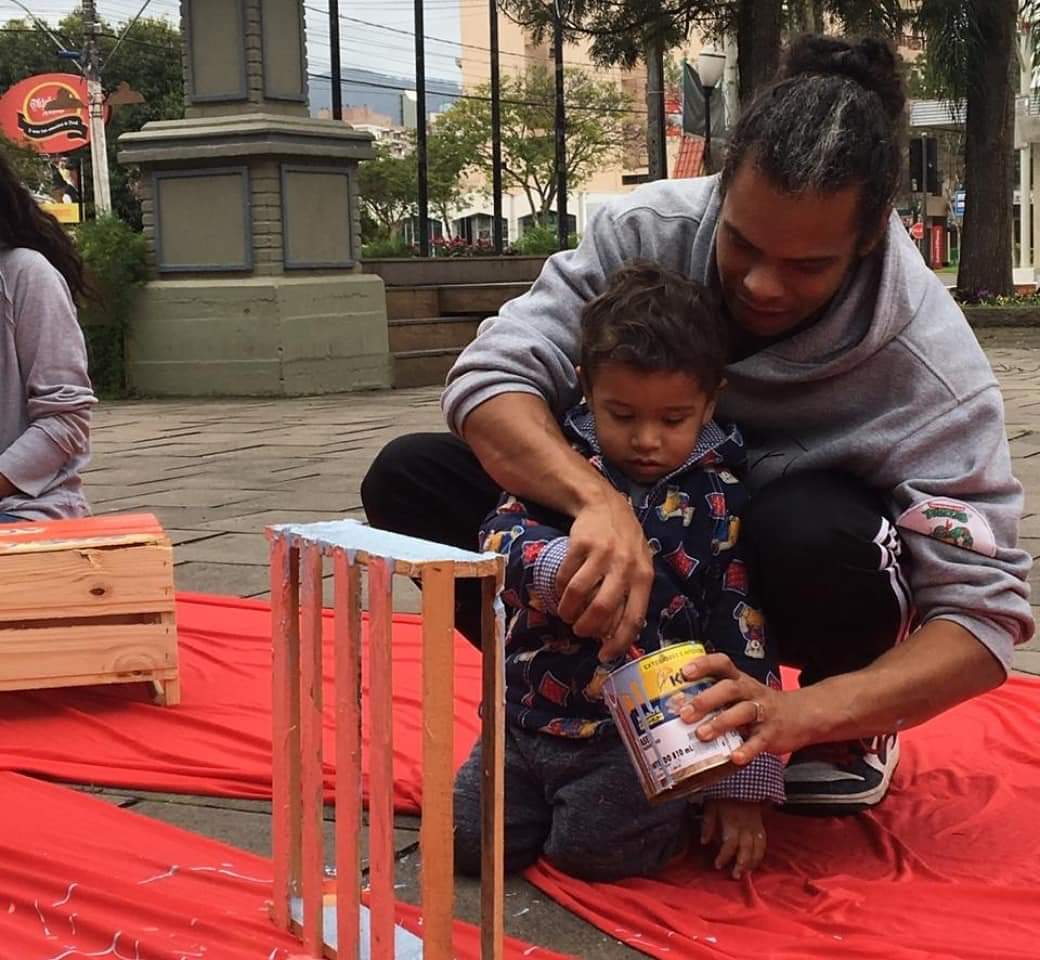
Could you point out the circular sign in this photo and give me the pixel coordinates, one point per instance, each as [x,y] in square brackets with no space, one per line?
[49,111]
[917,231]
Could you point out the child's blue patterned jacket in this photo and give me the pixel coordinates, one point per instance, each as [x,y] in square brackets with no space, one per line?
[700,592]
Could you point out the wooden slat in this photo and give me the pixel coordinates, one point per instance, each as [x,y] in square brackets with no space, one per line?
[347,604]
[90,680]
[380,761]
[285,670]
[86,582]
[438,887]
[312,864]
[168,691]
[107,651]
[485,298]
[113,529]
[492,788]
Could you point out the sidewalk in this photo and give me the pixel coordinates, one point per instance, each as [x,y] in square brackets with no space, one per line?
[216,472]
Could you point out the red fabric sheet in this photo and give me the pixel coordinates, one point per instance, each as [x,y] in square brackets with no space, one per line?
[945,868]
[217,742]
[97,881]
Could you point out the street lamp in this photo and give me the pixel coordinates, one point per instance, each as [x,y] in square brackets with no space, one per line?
[710,65]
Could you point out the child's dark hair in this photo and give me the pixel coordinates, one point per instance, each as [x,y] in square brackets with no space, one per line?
[654,319]
[832,119]
[24,224]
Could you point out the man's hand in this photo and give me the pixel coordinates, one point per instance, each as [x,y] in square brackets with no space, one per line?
[771,721]
[606,578]
[740,833]
[937,667]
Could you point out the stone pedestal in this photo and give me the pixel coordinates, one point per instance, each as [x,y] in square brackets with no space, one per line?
[252,216]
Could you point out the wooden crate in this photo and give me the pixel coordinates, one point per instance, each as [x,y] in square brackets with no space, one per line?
[88,601]
[328,915]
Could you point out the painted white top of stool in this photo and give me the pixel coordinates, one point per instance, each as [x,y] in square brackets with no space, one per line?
[351,536]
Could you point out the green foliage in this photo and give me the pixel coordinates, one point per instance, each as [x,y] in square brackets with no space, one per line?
[390,184]
[149,62]
[598,128]
[541,241]
[388,190]
[954,47]
[115,256]
[30,166]
[384,247]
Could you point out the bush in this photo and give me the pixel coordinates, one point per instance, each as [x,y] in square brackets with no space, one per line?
[541,241]
[115,257]
[388,247]
[460,247]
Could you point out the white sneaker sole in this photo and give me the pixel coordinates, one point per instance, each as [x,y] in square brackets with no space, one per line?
[860,801]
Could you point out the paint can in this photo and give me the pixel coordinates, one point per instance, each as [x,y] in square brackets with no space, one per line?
[644,697]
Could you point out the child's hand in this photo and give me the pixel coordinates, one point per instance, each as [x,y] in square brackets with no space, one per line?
[741,835]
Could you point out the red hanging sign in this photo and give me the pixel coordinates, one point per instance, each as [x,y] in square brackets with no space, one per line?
[48,111]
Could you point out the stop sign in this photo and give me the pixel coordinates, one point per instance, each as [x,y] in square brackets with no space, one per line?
[917,231]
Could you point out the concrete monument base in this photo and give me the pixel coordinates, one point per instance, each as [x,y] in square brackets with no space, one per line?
[259,336]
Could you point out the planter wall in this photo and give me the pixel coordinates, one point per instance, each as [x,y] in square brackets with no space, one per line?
[981,317]
[442,271]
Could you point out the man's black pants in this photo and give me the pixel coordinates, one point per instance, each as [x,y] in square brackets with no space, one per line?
[825,556]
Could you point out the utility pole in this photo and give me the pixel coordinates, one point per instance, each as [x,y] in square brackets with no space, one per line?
[422,158]
[496,131]
[656,118]
[337,71]
[563,235]
[96,112]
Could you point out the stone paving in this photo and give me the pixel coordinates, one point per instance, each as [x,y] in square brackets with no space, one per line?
[216,472]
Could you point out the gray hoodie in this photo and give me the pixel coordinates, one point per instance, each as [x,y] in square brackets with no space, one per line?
[889,385]
[45,392]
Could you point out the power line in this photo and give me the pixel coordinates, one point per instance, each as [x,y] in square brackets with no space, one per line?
[473,96]
[387,86]
[455,43]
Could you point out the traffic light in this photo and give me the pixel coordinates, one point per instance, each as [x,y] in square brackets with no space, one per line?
[926,166]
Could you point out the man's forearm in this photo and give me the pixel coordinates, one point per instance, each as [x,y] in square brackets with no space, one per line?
[939,666]
[519,443]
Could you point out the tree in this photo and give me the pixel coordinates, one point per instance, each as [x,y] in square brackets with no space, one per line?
[596,130]
[625,32]
[388,188]
[149,62]
[970,46]
[448,157]
[30,166]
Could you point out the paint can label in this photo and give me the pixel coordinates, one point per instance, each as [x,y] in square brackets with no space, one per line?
[645,697]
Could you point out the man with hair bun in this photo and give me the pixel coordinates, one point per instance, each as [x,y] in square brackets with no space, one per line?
[884,515]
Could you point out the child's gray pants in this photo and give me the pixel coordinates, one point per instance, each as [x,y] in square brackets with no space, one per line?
[578,803]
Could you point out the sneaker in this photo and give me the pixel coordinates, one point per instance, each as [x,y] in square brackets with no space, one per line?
[839,779]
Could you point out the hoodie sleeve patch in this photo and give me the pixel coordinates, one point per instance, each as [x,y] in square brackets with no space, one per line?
[952,522]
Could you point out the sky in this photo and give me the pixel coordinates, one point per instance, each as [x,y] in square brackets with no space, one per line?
[385,44]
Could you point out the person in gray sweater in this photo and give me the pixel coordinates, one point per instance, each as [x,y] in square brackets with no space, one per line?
[45,391]
[884,514]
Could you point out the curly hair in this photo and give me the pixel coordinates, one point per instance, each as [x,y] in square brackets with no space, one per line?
[833,118]
[654,319]
[24,224]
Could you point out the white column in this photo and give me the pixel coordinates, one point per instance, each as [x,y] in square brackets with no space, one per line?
[1025,213]
[731,80]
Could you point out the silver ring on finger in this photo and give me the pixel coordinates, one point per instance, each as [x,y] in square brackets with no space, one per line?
[760,712]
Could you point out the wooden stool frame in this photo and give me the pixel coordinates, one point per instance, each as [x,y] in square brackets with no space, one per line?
[297,561]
